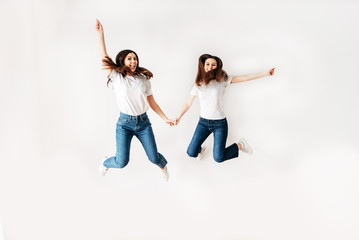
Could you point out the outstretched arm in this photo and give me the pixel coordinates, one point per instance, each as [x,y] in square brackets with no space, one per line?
[102,45]
[247,77]
[153,104]
[185,107]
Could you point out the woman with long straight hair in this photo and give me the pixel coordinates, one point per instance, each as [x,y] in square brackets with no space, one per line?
[132,87]
[209,86]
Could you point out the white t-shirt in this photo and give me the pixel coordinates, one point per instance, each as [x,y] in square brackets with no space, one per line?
[131,92]
[211,98]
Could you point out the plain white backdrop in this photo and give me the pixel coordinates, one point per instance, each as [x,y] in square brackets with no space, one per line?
[58,120]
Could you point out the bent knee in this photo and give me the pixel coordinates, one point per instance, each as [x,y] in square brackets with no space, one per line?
[218,158]
[192,153]
[121,163]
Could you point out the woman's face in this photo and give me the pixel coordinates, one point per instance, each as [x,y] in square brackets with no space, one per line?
[210,64]
[131,61]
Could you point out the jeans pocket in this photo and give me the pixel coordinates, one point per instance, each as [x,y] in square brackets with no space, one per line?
[145,119]
[145,122]
[123,120]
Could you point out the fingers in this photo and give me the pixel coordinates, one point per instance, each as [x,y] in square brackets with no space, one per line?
[271,72]
[177,121]
[98,25]
[171,122]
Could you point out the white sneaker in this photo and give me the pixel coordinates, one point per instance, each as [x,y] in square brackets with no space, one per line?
[245,146]
[203,153]
[102,169]
[165,173]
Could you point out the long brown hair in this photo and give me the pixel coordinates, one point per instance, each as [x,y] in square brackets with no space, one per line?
[217,74]
[120,66]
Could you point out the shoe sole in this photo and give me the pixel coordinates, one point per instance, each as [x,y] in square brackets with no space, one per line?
[247,146]
[165,174]
[102,169]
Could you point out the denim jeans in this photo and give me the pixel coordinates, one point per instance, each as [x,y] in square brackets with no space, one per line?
[219,128]
[127,127]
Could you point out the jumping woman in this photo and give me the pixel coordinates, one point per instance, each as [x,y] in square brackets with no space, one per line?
[132,87]
[209,86]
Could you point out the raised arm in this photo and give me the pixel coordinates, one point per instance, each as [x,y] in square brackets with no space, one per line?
[153,104]
[185,107]
[102,45]
[252,76]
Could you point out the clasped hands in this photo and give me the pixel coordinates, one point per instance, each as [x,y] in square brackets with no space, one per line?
[172,122]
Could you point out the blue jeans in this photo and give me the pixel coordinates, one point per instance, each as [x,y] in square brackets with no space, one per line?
[219,128]
[127,127]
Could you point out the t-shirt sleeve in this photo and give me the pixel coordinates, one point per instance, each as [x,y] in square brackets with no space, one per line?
[229,80]
[112,77]
[148,88]
[194,90]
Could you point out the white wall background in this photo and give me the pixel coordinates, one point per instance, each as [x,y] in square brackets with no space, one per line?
[58,120]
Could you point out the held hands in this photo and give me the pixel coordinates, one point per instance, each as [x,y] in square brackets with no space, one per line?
[177,120]
[171,122]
